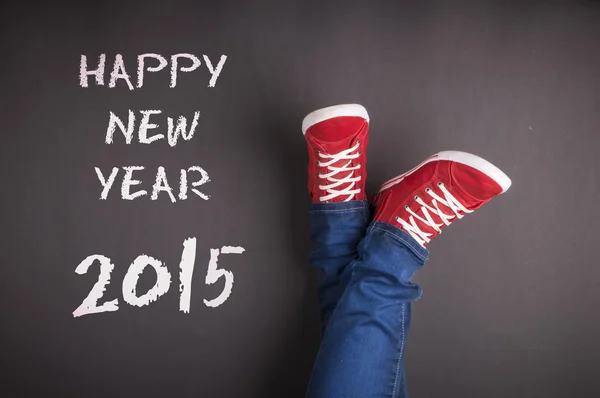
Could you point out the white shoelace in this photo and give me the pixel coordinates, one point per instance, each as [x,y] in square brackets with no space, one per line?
[332,192]
[449,201]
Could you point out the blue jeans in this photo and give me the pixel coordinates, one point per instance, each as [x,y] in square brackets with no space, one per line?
[365,298]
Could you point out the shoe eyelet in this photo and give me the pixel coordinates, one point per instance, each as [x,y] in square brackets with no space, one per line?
[427,189]
[397,219]
[440,183]
[416,197]
[358,142]
[406,207]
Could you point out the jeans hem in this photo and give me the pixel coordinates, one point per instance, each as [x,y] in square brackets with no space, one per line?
[402,237]
[339,207]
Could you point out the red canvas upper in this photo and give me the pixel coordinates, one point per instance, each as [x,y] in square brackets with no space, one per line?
[398,197]
[332,137]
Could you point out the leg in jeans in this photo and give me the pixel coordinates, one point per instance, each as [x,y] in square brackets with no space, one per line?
[336,228]
[337,139]
[362,351]
[338,220]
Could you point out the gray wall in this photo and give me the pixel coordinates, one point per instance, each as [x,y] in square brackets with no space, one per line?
[511,298]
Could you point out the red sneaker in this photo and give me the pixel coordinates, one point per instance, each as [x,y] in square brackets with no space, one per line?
[438,191]
[337,141]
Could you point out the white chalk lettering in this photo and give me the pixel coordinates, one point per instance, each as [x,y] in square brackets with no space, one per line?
[119,73]
[106,184]
[182,62]
[188,259]
[163,281]
[173,132]
[145,125]
[98,72]
[162,63]
[216,71]
[114,121]
[128,181]
[162,185]
[214,274]
[90,303]
[175,62]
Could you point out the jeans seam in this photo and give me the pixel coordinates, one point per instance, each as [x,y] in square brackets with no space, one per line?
[402,338]
[401,239]
[420,293]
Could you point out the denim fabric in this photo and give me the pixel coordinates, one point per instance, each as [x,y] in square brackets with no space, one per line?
[365,297]
[336,228]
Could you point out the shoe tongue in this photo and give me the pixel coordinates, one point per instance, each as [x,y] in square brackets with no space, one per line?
[476,185]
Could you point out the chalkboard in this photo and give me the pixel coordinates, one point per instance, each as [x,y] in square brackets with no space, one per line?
[155,225]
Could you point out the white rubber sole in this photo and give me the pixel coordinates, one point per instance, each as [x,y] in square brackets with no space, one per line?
[468,159]
[333,111]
